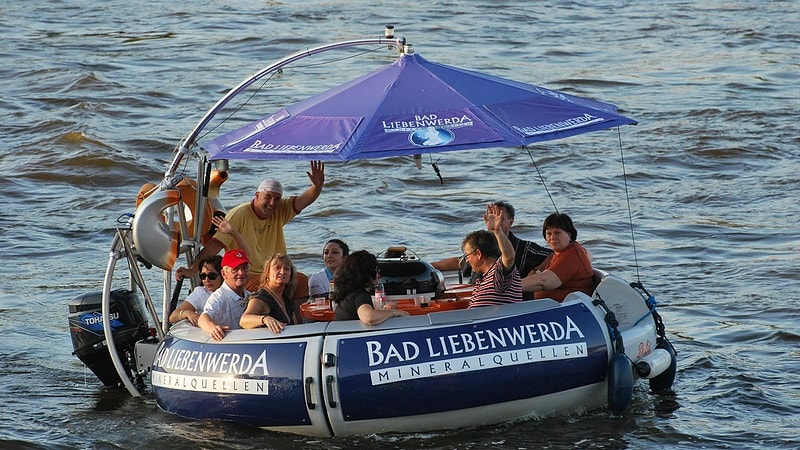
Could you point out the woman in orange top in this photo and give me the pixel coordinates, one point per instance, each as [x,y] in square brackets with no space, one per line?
[569,269]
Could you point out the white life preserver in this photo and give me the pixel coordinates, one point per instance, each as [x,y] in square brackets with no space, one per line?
[153,239]
[159,243]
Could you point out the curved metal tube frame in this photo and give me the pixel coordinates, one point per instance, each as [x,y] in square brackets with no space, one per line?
[189,140]
[113,257]
[120,248]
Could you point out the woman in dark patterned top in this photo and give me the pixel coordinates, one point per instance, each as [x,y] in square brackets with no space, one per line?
[354,280]
[271,306]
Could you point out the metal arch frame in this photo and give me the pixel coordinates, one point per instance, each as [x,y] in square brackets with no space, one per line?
[189,140]
[122,248]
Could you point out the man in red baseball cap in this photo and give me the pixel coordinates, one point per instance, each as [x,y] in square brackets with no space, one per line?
[226,305]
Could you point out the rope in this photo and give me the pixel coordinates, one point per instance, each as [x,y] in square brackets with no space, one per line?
[628,200]
[541,179]
[612,323]
[651,304]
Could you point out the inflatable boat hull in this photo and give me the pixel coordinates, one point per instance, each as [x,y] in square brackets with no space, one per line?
[443,370]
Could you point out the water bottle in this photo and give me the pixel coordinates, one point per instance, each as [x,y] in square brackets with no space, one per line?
[380,296]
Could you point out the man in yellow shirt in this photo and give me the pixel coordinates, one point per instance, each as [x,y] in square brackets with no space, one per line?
[260,223]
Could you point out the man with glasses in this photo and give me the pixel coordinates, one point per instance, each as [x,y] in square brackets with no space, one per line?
[529,256]
[226,305]
[490,253]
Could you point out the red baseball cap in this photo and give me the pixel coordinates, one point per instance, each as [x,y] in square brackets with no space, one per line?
[235,258]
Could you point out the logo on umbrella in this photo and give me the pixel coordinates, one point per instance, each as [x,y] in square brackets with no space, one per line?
[431,137]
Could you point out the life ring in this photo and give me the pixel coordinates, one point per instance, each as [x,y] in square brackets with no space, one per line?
[215,181]
[214,204]
[144,192]
[188,195]
[155,241]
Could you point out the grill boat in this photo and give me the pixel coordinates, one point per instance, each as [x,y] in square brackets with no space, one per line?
[445,366]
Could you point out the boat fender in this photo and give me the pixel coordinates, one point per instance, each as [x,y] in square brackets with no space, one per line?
[663,382]
[156,242]
[654,364]
[620,383]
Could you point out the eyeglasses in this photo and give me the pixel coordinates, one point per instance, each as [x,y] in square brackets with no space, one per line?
[465,255]
[211,276]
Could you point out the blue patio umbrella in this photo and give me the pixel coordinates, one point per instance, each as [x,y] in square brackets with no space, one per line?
[414,106]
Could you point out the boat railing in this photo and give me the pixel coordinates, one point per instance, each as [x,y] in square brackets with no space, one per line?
[122,248]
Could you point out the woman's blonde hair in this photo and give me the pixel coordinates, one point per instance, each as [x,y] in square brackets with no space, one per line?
[283,260]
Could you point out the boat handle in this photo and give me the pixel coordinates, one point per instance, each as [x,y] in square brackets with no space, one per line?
[329,385]
[309,403]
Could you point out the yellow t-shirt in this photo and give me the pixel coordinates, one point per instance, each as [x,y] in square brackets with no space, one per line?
[265,237]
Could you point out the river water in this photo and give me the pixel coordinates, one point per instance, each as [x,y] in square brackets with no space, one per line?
[96,94]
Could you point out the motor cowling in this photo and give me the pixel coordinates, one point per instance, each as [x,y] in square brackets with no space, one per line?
[88,339]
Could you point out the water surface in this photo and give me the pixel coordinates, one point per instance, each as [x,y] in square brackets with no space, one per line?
[96,96]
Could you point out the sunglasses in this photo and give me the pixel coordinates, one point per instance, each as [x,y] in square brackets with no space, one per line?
[211,276]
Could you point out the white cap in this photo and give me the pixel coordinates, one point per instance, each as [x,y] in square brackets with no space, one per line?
[270,185]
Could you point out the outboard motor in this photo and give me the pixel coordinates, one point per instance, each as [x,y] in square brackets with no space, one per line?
[86,327]
[402,274]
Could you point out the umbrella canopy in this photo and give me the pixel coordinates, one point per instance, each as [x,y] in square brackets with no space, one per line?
[414,106]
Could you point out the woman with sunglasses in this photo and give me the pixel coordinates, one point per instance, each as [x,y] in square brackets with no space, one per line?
[355,279]
[210,280]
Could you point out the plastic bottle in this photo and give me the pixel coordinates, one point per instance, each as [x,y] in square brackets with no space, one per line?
[380,296]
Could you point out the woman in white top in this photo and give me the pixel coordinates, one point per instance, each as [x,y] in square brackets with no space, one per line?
[332,254]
